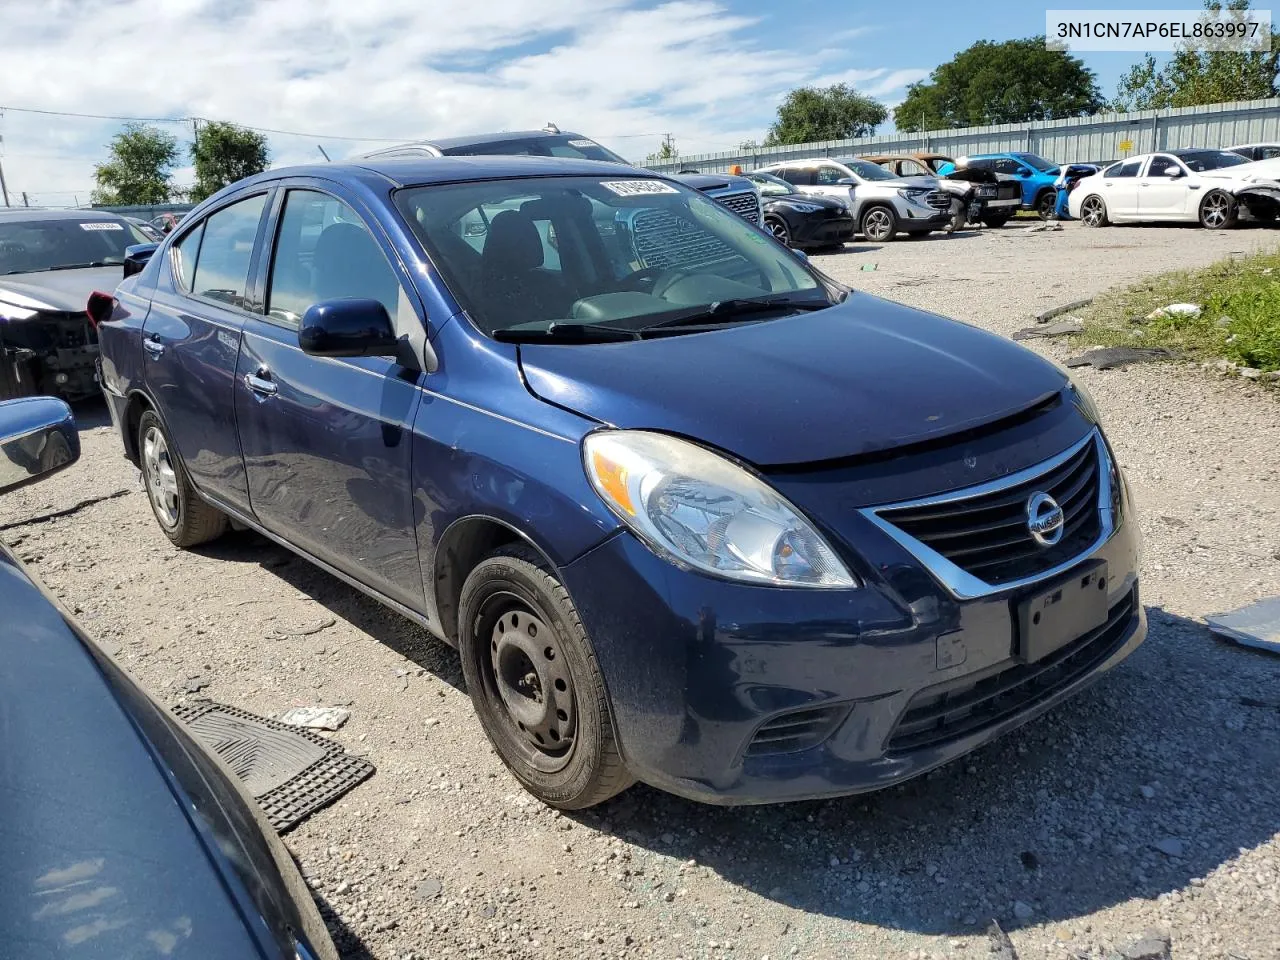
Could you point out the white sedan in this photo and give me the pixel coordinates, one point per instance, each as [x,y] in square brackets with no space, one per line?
[1208,187]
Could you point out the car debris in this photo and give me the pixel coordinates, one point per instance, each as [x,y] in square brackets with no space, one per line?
[1257,625]
[1059,328]
[316,718]
[1053,312]
[1107,358]
[1175,310]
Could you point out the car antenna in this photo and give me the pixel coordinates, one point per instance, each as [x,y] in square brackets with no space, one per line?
[323,154]
[550,128]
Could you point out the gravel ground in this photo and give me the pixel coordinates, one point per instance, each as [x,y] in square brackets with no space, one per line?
[1148,802]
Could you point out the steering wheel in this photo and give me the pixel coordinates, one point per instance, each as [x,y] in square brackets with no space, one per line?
[651,280]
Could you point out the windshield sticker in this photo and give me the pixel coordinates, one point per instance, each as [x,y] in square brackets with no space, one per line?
[637,188]
[583,143]
[102,225]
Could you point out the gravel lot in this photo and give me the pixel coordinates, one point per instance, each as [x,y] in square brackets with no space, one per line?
[1149,802]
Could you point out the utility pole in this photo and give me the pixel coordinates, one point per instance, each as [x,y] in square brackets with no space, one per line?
[25,202]
[3,188]
[669,145]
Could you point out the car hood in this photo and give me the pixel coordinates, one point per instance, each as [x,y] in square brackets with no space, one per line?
[816,199]
[863,376]
[713,181]
[64,290]
[100,860]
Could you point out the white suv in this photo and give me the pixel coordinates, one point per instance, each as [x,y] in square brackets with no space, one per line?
[882,205]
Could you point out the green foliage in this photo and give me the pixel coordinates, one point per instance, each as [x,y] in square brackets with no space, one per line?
[1196,77]
[667,151]
[139,169]
[224,153]
[1009,82]
[1239,318]
[837,112]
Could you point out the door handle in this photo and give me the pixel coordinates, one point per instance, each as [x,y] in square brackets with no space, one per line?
[261,382]
[153,346]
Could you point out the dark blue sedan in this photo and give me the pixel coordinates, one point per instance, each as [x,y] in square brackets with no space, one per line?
[692,512]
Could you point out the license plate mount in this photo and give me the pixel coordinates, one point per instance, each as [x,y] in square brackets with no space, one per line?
[1055,616]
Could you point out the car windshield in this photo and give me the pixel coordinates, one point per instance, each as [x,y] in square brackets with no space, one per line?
[34,246]
[605,255]
[869,171]
[1039,163]
[565,145]
[771,186]
[1199,161]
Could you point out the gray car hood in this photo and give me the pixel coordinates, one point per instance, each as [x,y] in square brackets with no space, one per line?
[63,290]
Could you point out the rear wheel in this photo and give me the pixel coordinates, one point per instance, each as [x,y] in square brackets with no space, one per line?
[778,227]
[1045,204]
[1218,210]
[535,683]
[996,219]
[183,516]
[1093,211]
[879,224]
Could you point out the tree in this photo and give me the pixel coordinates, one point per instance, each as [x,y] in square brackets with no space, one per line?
[139,168]
[224,153]
[837,112]
[667,151]
[1010,82]
[1196,77]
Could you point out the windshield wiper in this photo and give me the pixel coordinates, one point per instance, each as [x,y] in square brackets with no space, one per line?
[85,266]
[567,333]
[727,311]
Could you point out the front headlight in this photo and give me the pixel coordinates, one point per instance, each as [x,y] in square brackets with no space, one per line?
[706,512]
[803,207]
[913,193]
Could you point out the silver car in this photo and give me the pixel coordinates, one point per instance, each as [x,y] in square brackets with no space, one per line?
[882,204]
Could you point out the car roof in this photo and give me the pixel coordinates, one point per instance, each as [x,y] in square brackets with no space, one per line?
[448,143]
[420,171]
[40,213]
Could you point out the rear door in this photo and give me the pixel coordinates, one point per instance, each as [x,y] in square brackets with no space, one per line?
[1120,188]
[191,339]
[327,441]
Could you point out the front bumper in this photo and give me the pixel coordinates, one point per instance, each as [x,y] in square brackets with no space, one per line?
[823,228]
[920,217]
[700,672]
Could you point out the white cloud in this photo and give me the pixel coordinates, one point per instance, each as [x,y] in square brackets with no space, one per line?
[394,68]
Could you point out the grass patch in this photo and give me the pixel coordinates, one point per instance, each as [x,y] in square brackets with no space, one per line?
[1239,320]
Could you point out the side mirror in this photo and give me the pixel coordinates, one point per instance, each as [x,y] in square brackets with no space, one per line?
[847,182]
[37,437]
[137,256]
[1024,173]
[349,327]
[1173,173]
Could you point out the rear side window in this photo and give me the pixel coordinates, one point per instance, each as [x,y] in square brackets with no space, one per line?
[798,176]
[221,268]
[1008,166]
[1267,153]
[185,252]
[1129,168]
[325,252]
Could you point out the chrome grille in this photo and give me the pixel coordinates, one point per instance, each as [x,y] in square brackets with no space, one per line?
[987,535]
[744,204]
[663,239]
[796,731]
[967,705]
[939,200]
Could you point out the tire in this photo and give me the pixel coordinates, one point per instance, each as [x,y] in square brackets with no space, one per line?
[524,653]
[778,227]
[1218,210]
[1046,203]
[1093,211]
[183,516]
[879,224]
[997,219]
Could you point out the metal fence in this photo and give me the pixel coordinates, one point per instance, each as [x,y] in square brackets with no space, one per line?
[1101,137]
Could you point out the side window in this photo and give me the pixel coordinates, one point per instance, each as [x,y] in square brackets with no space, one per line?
[222,264]
[910,168]
[798,176]
[1008,166]
[829,175]
[1130,168]
[325,252]
[1162,165]
[184,257]
[982,164]
[1267,153]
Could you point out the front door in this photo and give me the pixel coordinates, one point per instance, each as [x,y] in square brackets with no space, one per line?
[327,442]
[1162,189]
[191,339]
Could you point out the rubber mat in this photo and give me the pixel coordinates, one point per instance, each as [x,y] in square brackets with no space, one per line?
[290,771]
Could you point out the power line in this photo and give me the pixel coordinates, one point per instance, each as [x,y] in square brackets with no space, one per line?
[94,116]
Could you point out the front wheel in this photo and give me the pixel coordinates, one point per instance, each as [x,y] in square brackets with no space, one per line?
[778,227]
[1093,211]
[879,224]
[1046,203]
[1218,210]
[997,219]
[535,683]
[183,516]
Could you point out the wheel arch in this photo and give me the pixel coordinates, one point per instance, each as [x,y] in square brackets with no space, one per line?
[138,404]
[464,543]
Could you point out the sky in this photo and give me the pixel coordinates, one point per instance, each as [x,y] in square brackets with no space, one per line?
[625,72]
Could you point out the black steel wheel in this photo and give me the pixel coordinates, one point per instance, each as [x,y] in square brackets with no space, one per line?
[1045,204]
[778,227]
[533,678]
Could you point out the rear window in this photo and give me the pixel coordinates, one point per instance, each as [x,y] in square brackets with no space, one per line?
[566,145]
[35,246]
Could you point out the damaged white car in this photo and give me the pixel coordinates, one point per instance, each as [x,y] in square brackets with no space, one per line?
[1209,187]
